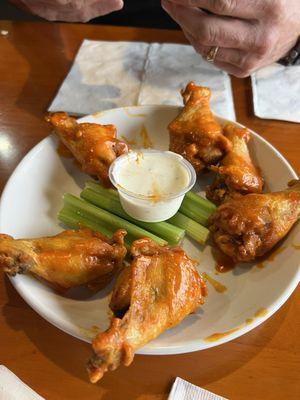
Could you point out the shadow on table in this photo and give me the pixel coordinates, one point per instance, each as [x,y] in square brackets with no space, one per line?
[151,372]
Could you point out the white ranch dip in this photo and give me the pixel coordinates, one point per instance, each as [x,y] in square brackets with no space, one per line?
[151,183]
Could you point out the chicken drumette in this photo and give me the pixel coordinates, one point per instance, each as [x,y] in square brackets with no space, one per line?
[236,174]
[249,226]
[194,133]
[94,146]
[69,259]
[154,293]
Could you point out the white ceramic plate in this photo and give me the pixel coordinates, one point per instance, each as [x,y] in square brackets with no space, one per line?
[33,196]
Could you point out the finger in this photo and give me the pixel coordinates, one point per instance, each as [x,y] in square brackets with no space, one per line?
[248,9]
[211,30]
[231,56]
[232,69]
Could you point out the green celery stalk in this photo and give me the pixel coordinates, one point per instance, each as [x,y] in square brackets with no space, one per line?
[100,216]
[192,228]
[203,203]
[172,234]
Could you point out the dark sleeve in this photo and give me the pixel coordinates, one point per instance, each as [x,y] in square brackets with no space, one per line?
[293,57]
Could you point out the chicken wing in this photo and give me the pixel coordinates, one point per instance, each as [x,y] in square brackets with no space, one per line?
[248,227]
[194,133]
[165,287]
[236,174]
[94,146]
[69,259]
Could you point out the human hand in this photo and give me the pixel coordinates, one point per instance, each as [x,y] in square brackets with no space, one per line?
[69,10]
[250,33]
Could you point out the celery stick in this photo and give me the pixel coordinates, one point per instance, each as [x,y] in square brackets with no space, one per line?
[104,217]
[193,206]
[172,234]
[203,203]
[193,212]
[192,228]
[72,218]
[113,193]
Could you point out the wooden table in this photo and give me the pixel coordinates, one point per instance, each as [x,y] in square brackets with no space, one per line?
[263,364]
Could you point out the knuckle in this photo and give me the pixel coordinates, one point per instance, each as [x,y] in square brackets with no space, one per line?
[224,6]
[207,34]
[276,9]
[266,42]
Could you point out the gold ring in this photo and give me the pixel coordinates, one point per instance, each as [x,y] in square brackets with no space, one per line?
[211,55]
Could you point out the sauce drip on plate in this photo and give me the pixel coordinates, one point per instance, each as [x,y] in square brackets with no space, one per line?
[218,286]
[146,141]
[223,263]
[271,257]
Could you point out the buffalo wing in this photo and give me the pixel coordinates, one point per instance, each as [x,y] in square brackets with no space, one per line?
[69,259]
[236,174]
[94,146]
[194,133]
[250,226]
[161,287]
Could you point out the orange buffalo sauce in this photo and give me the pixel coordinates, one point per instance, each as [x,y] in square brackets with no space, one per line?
[146,141]
[223,263]
[63,151]
[218,286]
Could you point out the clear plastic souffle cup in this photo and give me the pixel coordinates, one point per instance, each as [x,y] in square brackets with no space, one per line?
[150,208]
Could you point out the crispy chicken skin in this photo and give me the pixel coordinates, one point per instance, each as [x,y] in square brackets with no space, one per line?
[248,227]
[69,259]
[94,146]
[194,133]
[236,174]
[165,287]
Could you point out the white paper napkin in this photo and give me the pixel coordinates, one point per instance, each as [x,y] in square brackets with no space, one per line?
[12,388]
[276,92]
[183,390]
[114,74]
[169,67]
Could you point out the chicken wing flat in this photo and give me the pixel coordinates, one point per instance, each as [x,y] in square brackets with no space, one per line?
[69,259]
[236,174]
[164,288]
[94,146]
[248,227]
[194,133]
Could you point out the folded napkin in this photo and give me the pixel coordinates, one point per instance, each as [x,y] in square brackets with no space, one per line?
[276,92]
[115,74]
[12,388]
[183,390]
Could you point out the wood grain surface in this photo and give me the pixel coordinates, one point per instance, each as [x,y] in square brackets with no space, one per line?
[261,365]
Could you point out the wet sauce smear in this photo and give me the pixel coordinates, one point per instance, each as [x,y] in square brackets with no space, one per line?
[90,332]
[219,287]
[223,262]
[128,113]
[296,246]
[63,151]
[217,336]
[271,257]
[261,312]
[146,141]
